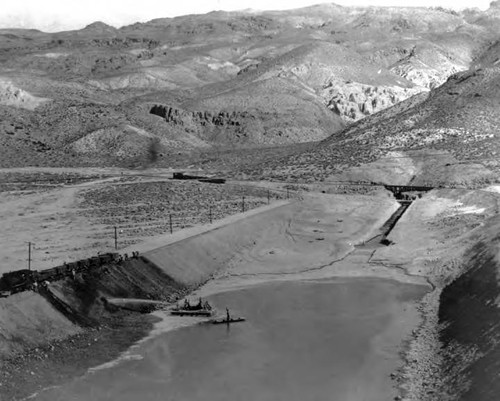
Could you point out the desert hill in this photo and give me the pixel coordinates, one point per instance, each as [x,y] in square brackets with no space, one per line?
[229,80]
[446,137]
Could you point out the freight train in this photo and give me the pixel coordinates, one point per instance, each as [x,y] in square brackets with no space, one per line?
[200,178]
[22,280]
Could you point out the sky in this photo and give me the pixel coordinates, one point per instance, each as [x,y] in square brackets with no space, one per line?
[53,15]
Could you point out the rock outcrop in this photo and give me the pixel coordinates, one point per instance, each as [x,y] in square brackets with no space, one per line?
[182,117]
[10,95]
[354,101]
[236,79]
[249,127]
[425,77]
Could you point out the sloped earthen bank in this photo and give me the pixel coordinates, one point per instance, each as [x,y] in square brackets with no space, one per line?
[470,316]
[455,354]
[38,320]
[195,259]
[281,239]
[68,326]
[438,238]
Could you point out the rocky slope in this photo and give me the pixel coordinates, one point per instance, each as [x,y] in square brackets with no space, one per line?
[469,315]
[448,137]
[267,78]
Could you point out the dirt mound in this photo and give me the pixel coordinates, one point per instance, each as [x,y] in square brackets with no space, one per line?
[28,320]
[69,326]
[118,142]
[31,319]
[134,278]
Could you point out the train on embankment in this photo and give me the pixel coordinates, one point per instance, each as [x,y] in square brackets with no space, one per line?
[200,178]
[26,279]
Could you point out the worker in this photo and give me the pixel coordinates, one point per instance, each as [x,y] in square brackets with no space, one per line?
[228,317]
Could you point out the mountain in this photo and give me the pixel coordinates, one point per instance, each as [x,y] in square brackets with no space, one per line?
[231,80]
[446,137]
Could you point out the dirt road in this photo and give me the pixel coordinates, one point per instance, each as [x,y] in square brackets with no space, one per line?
[68,221]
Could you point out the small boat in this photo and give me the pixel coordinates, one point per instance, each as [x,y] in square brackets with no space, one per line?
[226,321]
[199,312]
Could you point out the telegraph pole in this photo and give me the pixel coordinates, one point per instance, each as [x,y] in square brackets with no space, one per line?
[29,255]
[243,204]
[170,223]
[116,238]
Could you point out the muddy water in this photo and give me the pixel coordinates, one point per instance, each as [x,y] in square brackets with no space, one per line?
[334,340]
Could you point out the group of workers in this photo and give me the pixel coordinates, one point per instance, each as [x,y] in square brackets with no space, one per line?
[135,255]
[200,305]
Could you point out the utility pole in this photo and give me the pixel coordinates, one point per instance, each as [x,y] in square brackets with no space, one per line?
[29,255]
[116,238]
[170,223]
[243,204]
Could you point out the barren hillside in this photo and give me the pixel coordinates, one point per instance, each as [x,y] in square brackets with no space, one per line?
[153,92]
[448,137]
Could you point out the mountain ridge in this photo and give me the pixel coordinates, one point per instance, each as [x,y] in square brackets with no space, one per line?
[296,76]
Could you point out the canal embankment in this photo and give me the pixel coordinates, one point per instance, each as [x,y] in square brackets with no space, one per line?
[449,237]
[288,239]
[469,314]
[334,338]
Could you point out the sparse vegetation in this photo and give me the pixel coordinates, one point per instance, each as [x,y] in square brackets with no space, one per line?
[323,100]
[144,209]
[300,84]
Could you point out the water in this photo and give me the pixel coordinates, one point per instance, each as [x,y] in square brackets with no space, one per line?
[301,341]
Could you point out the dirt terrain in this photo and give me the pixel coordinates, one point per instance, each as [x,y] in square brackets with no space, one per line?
[59,332]
[308,114]
[144,93]
[67,220]
[314,236]
[435,242]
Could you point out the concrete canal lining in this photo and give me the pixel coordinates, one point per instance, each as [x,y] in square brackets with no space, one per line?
[193,256]
[283,239]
